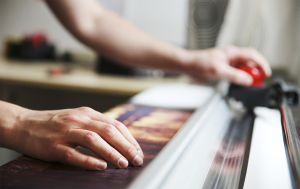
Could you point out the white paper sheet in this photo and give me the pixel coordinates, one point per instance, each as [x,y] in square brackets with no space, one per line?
[177,96]
[267,166]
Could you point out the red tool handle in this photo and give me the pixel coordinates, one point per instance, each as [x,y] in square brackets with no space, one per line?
[256,73]
[37,39]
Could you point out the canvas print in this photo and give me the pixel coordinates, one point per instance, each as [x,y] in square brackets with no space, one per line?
[152,127]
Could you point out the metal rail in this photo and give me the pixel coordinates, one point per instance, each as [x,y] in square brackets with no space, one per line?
[208,152]
[292,142]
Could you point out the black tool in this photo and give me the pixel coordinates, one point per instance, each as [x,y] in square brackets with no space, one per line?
[270,96]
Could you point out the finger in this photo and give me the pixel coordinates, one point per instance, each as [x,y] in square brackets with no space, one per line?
[71,156]
[121,128]
[248,54]
[112,135]
[124,131]
[94,142]
[235,75]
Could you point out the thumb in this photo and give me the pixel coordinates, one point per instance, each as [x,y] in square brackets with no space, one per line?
[235,75]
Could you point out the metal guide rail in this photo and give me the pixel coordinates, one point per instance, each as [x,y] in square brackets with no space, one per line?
[292,142]
[212,149]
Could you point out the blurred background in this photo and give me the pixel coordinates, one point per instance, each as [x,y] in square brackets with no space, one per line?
[43,67]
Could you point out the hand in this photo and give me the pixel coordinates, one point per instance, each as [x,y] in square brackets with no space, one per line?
[218,63]
[52,136]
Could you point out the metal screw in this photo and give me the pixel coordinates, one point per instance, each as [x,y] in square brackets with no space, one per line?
[272,103]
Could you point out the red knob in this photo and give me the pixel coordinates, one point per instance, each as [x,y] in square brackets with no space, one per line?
[37,39]
[256,73]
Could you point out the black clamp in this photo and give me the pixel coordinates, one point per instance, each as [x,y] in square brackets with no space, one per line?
[269,96]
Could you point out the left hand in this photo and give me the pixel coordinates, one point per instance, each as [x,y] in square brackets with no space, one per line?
[52,136]
[219,63]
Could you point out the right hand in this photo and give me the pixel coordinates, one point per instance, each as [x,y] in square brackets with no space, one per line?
[52,136]
[216,63]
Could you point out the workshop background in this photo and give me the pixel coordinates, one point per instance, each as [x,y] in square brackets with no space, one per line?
[271,26]
[27,17]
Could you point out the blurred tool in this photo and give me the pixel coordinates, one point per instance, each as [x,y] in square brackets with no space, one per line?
[31,47]
[36,46]
[270,96]
[105,65]
[60,70]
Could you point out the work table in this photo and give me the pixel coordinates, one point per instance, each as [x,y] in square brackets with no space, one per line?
[80,78]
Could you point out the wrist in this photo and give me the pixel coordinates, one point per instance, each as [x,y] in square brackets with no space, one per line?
[184,60]
[9,124]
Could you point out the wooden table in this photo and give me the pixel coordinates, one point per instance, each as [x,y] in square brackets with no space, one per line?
[80,79]
[152,127]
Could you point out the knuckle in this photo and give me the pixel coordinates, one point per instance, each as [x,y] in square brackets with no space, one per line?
[118,125]
[56,120]
[88,162]
[85,109]
[110,130]
[70,118]
[112,154]
[130,149]
[91,137]
[57,124]
[68,155]
[65,118]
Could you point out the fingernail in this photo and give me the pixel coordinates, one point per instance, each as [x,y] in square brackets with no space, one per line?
[137,160]
[123,163]
[101,165]
[141,153]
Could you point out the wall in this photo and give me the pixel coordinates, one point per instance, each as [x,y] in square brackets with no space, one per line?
[163,19]
[270,26]
[26,16]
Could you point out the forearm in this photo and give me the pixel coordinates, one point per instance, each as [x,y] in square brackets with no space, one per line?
[118,39]
[112,36]
[9,114]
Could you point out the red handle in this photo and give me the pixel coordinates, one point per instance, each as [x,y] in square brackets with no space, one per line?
[256,73]
[37,39]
